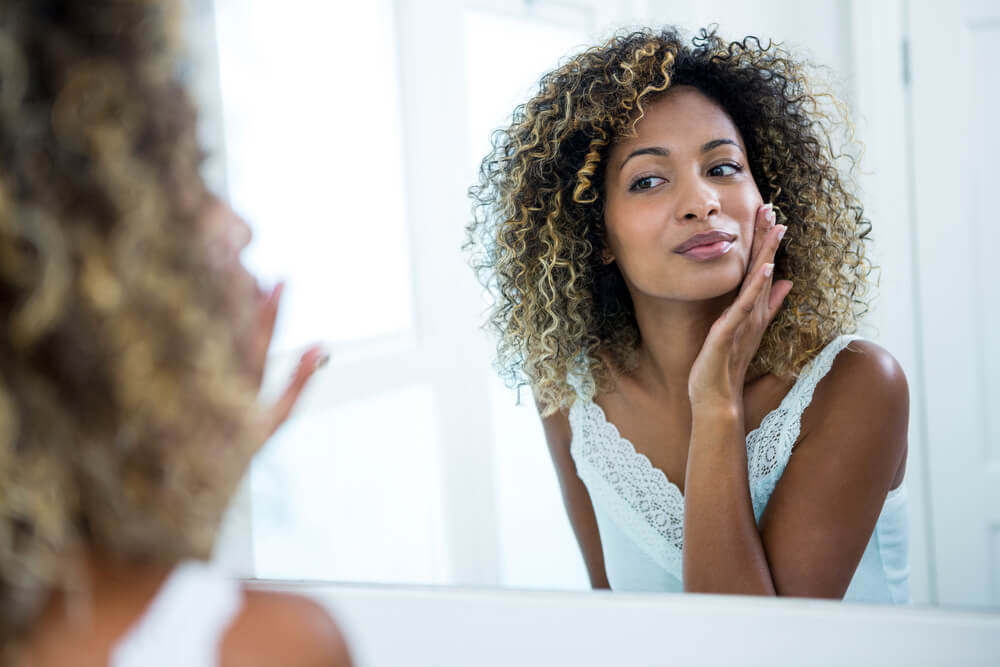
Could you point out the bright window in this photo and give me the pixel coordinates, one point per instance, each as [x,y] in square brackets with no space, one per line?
[406,460]
[314,162]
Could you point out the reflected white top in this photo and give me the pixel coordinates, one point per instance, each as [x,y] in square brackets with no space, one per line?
[185,622]
[640,513]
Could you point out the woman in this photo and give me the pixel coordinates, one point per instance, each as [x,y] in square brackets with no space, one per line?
[127,403]
[677,267]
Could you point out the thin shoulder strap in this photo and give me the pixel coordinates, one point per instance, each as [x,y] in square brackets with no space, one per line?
[186,621]
[770,446]
[816,370]
[582,382]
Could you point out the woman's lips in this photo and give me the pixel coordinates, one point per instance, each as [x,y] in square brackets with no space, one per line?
[708,250]
[707,245]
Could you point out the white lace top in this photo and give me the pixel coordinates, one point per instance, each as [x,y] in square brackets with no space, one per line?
[640,513]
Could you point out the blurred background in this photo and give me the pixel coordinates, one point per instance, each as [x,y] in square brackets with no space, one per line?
[348,134]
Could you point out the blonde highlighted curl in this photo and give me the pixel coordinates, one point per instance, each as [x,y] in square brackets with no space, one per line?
[123,413]
[538,226]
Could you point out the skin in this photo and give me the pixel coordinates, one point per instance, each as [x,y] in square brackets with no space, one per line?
[689,404]
[271,628]
[226,235]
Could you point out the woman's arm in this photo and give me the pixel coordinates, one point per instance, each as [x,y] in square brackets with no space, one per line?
[559,435]
[723,551]
[824,508]
[853,447]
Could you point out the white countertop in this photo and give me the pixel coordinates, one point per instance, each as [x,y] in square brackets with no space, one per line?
[399,626]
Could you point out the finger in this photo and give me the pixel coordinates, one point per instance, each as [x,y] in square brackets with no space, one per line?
[749,299]
[267,317]
[278,414]
[763,297]
[770,246]
[769,249]
[765,256]
[779,291]
[763,222]
[769,241]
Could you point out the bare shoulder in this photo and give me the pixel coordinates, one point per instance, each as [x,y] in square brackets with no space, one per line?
[865,400]
[279,628]
[559,439]
[556,425]
[865,372]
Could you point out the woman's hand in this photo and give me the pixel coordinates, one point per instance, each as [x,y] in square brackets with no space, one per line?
[253,311]
[257,345]
[719,371]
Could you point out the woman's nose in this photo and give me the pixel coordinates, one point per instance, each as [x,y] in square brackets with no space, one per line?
[698,201]
[240,233]
[226,232]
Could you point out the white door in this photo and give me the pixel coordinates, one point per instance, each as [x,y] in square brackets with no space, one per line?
[954,52]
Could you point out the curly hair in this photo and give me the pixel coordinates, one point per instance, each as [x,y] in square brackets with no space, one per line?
[538,224]
[123,409]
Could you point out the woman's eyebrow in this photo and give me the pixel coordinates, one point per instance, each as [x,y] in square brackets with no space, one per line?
[715,143]
[664,152]
[648,150]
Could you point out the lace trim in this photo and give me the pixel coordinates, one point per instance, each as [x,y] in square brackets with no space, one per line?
[643,501]
[647,506]
[769,446]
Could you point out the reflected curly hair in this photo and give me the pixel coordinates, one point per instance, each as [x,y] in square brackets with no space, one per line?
[538,225]
[123,412]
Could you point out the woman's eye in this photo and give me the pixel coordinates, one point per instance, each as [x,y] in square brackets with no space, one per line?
[646,182]
[724,170]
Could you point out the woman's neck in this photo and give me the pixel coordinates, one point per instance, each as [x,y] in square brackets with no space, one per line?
[103,598]
[671,335]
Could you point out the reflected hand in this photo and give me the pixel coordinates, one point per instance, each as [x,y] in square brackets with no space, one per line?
[253,311]
[257,346]
[719,371]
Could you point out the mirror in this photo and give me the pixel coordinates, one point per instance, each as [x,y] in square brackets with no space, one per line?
[348,136]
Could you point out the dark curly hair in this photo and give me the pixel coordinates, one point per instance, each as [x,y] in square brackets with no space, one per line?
[538,227]
[124,414]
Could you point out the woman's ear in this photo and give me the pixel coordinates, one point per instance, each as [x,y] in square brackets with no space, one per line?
[606,256]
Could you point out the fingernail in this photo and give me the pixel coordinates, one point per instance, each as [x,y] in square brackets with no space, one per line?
[781,232]
[768,269]
[323,360]
[770,216]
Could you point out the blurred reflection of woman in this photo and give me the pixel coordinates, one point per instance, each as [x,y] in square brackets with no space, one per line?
[127,404]
[714,425]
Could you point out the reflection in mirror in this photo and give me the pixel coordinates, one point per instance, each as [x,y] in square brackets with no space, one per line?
[675,335]
[408,448]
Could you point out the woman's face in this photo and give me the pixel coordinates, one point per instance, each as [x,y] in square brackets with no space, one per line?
[226,234]
[680,201]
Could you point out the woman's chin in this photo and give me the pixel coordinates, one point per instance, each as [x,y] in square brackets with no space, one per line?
[719,287]
[696,294]
[722,281]
[722,292]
